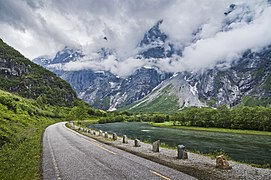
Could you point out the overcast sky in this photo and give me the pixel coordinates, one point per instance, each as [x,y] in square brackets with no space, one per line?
[42,27]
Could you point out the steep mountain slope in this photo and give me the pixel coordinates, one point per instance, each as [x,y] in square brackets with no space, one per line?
[169,96]
[107,91]
[246,81]
[247,77]
[21,76]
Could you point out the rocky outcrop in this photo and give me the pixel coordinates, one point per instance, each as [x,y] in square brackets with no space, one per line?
[12,68]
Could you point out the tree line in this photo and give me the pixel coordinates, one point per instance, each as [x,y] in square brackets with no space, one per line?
[249,118]
[242,117]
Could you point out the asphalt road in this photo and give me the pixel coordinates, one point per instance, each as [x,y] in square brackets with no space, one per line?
[70,155]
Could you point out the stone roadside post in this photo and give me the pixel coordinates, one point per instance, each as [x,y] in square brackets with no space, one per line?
[124,139]
[182,153]
[155,146]
[115,137]
[137,143]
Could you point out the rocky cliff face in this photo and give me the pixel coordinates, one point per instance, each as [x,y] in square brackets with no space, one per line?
[247,77]
[12,68]
[107,91]
[20,75]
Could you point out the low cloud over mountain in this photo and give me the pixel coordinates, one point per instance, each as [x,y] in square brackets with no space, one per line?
[198,33]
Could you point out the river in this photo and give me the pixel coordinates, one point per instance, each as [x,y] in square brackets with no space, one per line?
[240,147]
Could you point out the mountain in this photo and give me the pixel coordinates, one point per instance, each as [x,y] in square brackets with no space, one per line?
[169,96]
[245,81]
[27,79]
[104,90]
[66,55]
[155,43]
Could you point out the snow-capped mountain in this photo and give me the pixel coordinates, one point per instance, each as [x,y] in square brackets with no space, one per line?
[104,90]
[66,55]
[43,60]
[246,80]
[155,43]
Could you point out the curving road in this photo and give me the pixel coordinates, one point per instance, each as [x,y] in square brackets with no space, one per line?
[70,155]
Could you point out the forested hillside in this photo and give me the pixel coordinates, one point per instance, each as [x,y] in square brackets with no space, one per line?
[27,79]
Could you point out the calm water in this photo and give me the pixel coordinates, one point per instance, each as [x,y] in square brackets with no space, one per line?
[246,148]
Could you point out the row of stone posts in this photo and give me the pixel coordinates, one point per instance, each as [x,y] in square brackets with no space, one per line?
[221,162]
[181,151]
[105,135]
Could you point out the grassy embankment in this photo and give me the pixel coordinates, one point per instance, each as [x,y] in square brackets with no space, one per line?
[169,124]
[22,123]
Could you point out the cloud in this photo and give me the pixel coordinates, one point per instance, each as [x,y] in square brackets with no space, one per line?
[120,68]
[227,45]
[199,28]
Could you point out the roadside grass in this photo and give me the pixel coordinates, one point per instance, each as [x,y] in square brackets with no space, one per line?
[169,124]
[212,154]
[22,123]
[266,166]
[21,158]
